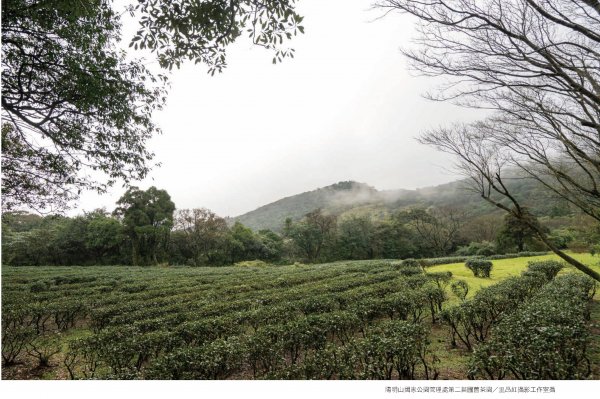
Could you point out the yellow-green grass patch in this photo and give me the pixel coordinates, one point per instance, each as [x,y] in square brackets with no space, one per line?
[504,268]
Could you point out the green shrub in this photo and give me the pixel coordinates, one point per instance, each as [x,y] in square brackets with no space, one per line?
[39,286]
[14,342]
[44,347]
[484,248]
[405,305]
[471,321]
[545,339]
[407,263]
[392,350]
[460,288]
[446,260]
[561,238]
[532,253]
[516,255]
[435,297]
[479,267]
[441,279]
[251,263]
[324,364]
[549,268]
[216,360]
[411,271]
[408,267]
[316,304]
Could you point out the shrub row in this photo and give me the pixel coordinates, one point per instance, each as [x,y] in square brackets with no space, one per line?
[460,259]
[394,349]
[517,255]
[281,334]
[470,322]
[545,339]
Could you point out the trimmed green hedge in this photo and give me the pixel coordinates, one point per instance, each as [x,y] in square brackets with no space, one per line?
[479,267]
[545,339]
[471,321]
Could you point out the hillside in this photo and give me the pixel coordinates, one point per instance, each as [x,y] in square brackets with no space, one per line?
[351,197]
[354,198]
[335,198]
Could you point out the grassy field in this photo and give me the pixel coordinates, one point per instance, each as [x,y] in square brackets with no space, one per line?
[231,322]
[504,268]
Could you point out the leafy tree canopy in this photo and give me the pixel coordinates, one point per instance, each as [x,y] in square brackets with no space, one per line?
[74,106]
[516,232]
[147,218]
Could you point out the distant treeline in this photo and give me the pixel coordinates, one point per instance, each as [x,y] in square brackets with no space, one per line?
[146,229]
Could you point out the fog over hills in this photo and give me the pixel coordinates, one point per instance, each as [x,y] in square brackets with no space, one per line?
[353,198]
[349,197]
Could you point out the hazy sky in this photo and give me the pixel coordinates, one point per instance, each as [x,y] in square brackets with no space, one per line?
[345,108]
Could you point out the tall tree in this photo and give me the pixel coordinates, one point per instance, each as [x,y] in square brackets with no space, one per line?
[147,217]
[355,238]
[241,243]
[270,245]
[313,233]
[392,239]
[515,232]
[74,107]
[71,101]
[105,241]
[437,229]
[205,233]
[535,64]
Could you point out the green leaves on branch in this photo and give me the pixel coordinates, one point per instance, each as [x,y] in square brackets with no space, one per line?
[75,107]
[180,30]
[71,103]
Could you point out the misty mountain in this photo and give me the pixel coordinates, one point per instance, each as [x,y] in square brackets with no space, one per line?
[348,197]
[335,198]
[353,198]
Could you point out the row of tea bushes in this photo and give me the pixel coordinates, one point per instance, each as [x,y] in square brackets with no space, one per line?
[392,349]
[471,321]
[545,339]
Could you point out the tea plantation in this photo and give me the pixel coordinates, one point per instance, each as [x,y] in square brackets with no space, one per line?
[344,320]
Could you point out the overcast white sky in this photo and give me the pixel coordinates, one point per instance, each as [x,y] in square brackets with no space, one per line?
[345,108]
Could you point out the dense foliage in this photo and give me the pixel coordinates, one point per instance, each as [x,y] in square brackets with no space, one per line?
[353,320]
[479,267]
[147,218]
[359,320]
[145,229]
[70,100]
[545,339]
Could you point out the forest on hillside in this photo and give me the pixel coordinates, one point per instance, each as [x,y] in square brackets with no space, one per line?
[146,229]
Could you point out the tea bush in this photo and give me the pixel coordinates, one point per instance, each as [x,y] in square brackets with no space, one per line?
[460,288]
[471,321]
[479,267]
[545,339]
[549,268]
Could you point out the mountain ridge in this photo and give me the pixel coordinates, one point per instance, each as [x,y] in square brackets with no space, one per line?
[342,198]
[347,198]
